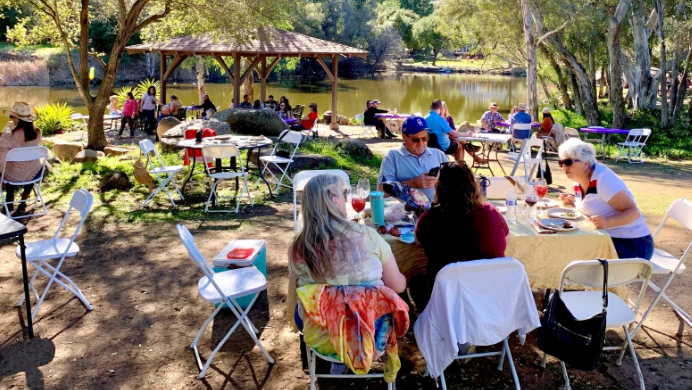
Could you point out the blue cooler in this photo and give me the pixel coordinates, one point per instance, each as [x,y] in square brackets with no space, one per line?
[258,259]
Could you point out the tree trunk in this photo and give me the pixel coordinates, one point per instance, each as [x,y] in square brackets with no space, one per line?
[201,91]
[531,63]
[248,83]
[614,53]
[577,95]
[592,70]
[662,75]
[434,57]
[602,84]
[561,78]
[683,86]
[639,74]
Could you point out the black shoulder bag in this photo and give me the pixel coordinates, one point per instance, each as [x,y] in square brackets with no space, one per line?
[575,342]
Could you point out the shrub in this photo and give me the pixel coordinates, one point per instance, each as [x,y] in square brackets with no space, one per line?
[137,91]
[54,117]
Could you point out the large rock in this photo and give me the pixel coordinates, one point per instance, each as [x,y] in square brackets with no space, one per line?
[65,150]
[341,119]
[166,124]
[115,180]
[117,150]
[88,155]
[353,148]
[302,162]
[169,140]
[252,122]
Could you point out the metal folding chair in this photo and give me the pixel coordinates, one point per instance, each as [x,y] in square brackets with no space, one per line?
[366,128]
[525,157]
[584,304]
[169,172]
[220,152]
[22,155]
[633,145]
[39,252]
[287,137]
[303,177]
[223,289]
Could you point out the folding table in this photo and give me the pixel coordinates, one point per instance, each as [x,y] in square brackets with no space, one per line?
[10,228]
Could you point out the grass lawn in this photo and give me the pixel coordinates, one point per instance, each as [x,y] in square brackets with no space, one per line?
[42,51]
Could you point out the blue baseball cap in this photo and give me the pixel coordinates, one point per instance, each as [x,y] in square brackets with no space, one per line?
[414,125]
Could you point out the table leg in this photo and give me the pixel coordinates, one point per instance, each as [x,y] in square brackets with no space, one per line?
[497,146]
[192,168]
[25,276]
[259,169]
[603,141]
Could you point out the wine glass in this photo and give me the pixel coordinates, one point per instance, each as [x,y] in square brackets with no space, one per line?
[530,198]
[541,188]
[519,186]
[364,186]
[355,196]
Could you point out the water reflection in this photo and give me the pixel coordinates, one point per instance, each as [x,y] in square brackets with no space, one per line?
[467,96]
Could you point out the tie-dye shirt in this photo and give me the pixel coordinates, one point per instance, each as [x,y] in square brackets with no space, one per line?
[359,257]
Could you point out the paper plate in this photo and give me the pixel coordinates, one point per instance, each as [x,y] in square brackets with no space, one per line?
[564,213]
[547,203]
[557,224]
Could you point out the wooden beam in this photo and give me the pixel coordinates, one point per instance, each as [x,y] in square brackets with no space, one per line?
[174,65]
[326,69]
[335,88]
[249,69]
[236,80]
[225,67]
[272,65]
[162,72]
[263,79]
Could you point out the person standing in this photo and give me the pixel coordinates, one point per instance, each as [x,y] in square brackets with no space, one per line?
[129,114]
[147,107]
[24,134]
[490,118]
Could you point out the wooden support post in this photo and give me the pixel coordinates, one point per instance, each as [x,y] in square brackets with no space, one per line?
[335,77]
[263,79]
[162,74]
[177,60]
[236,80]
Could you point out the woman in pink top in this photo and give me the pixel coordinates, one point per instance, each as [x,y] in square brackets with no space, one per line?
[129,113]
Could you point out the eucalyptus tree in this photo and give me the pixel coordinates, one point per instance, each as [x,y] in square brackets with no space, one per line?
[66,23]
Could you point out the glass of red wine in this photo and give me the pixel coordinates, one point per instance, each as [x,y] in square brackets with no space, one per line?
[530,198]
[357,198]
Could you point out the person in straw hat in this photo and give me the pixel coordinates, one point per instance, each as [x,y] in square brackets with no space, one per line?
[23,134]
[491,117]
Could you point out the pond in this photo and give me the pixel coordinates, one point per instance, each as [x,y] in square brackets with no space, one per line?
[467,95]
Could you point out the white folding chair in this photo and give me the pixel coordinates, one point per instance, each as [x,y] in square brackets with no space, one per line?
[557,132]
[571,133]
[666,264]
[223,289]
[633,145]
[169,172]
[596,141]
[365,128]
[459,286]
[219,152]
[585,304]
[525,157]
[79,121]
[303,177]
[286,137]
[39,252]
[312,133]
[19,155]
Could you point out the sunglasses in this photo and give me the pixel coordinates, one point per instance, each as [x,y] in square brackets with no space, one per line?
[12,117]
[568,162]
[418,140]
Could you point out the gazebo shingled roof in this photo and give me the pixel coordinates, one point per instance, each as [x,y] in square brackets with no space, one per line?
[270,42]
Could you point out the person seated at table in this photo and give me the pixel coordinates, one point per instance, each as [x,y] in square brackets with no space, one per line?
[606,200]
[370,120]
[172,108]
[546,124]
[129,114]
[283,111]
[246,102]
[411,162]
[444,112]
[307,122]
[459,226]
[257,105]
[441,135]
[512,113]
[491,117]
[24,134]
[113,108]
[207,107]
[270,103]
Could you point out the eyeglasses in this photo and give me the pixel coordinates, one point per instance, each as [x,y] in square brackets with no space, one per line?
[568,162]
[418,140]
[12,117]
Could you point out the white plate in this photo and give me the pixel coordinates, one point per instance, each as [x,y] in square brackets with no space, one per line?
[408,238]
[560,212]
[556,224]
[500,206]
[547,203]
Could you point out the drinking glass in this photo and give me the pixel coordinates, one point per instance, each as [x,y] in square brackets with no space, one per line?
[519,186]
[541,188]
[364,186]
[355,196]
[530,198]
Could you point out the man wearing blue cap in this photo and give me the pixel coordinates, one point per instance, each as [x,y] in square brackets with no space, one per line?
[411,162]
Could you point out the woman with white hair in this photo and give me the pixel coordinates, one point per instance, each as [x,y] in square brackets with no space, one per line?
[605,200]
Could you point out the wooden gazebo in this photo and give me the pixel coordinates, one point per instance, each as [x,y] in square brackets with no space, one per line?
[269,44]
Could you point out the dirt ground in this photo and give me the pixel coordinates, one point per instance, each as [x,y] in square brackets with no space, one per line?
[147,311]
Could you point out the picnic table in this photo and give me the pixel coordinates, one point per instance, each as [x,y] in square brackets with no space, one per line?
[494,139]
[290,121]
[393,122]
[9,228]
[507,124]
[605,132]
[241,142]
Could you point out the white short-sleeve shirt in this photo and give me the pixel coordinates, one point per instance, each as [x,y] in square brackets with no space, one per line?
[603,186]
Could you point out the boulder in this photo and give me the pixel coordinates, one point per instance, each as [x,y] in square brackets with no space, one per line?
[344,121]
[65,150]
[166,124]
[115,180]
[252,122]
[302,162]
[464,127]
[88,155]
[341,120]
[169,140]
[353,148]
[117,150]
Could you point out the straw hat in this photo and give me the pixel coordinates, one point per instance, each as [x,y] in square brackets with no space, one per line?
[546,110]
[23,111]
[521,106]
[493,104]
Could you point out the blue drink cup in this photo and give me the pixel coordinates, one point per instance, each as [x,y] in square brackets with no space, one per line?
[377,208]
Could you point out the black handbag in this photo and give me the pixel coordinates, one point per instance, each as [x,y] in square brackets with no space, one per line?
[575,342]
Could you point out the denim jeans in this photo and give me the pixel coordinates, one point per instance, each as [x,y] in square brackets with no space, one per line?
[627,248]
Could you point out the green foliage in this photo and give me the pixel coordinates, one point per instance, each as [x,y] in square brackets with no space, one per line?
[144,86]
[427,33]
[54,117]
